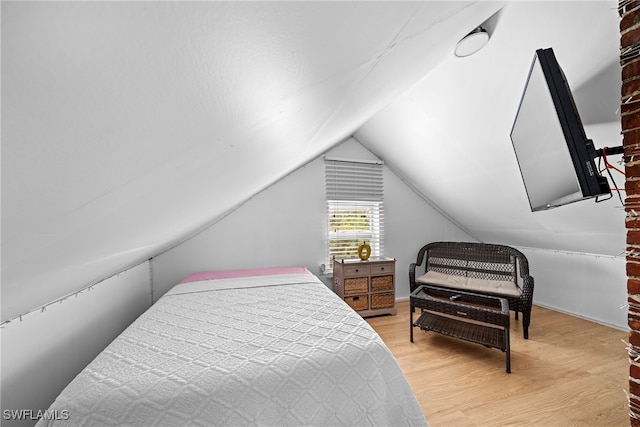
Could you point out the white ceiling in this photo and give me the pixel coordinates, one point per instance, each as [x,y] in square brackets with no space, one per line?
[457,122]
[122,121]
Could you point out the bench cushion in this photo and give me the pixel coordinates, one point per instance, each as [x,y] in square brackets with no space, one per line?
[470,284]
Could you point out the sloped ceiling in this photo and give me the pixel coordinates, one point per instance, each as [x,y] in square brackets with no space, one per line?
[123,123]
[449,135]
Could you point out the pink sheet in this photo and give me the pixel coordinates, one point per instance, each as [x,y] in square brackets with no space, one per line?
[230,274]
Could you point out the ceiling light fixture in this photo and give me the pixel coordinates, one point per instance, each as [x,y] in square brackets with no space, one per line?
[472,42]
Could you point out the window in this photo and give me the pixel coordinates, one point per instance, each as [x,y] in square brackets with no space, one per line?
[355,209]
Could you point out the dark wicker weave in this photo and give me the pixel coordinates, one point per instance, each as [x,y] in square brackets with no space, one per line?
[441,307]
[482,261]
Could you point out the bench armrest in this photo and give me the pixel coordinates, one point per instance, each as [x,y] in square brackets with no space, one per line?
[527,290]
[412,277]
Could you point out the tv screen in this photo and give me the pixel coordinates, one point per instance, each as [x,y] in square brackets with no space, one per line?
[555,157]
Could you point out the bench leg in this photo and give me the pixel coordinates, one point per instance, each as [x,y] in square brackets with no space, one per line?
[508,351]
[411,325]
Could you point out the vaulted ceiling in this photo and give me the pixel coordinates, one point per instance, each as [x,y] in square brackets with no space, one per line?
[123,121]
[449,135]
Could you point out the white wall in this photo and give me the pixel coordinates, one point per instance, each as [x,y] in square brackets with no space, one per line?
[284,226]
[45,350]
[590,286]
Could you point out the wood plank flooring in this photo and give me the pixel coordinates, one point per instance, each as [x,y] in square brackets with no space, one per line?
[570,372]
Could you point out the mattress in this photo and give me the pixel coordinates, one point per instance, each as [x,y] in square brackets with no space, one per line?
[278,348]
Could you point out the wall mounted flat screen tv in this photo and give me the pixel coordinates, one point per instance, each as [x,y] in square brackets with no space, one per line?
[555,157]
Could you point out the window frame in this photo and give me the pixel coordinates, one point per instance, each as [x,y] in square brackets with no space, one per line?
[353,185]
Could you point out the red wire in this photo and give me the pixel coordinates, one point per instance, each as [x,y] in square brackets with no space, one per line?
[606,162]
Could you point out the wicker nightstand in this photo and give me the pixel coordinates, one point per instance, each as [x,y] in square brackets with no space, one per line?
[367,286]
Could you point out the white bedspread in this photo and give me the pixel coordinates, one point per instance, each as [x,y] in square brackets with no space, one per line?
[252,351]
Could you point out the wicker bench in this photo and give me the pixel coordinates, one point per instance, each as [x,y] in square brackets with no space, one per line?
[481,319]
[481,268]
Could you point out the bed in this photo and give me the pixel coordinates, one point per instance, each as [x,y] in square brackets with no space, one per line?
[268,346]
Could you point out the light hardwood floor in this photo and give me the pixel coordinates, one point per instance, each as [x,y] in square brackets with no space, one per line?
[570,372]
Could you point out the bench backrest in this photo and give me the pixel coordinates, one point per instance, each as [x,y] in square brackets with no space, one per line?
[479,260]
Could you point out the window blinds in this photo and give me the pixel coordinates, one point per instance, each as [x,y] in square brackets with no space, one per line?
[349,180]
[355,210]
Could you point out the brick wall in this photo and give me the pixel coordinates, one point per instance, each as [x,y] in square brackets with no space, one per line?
[630,120]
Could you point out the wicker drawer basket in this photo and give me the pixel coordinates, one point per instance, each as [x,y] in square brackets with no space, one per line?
[382,283]
[356,285]
[358,302]
[383,300]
